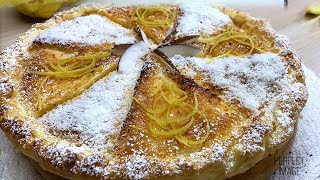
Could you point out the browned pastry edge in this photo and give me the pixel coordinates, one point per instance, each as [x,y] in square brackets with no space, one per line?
[261,171]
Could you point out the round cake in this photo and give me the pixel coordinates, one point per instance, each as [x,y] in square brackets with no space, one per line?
[152,91]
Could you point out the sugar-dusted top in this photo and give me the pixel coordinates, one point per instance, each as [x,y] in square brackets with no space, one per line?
[200,19]
[87,30]
[100,112]
[251,80]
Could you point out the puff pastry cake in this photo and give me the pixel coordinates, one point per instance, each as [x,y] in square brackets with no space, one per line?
[158,91]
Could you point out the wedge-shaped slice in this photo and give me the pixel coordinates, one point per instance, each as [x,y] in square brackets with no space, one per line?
[200,19]
[215,121]
[96,116]
[91,31]
[52,77]
[252,80]
[155,21]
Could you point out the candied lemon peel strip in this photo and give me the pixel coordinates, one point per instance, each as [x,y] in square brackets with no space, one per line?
[169,99]
[148,16]
[72,68]
[240,37]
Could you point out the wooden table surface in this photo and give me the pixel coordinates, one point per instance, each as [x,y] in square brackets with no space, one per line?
[303,30]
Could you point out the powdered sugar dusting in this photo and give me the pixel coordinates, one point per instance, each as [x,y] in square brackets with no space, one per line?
[100,112]
[200,19]
[304,159]
[8,58]
[87,30]
[137,168]
[250,80]
[304,149]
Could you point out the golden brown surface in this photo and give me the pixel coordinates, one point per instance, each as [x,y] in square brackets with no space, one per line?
[124,16]
[209,105]
[162,154]
[58,90]
[262,170]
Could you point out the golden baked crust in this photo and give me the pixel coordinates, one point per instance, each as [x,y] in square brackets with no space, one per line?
[262,170]
[238,138]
